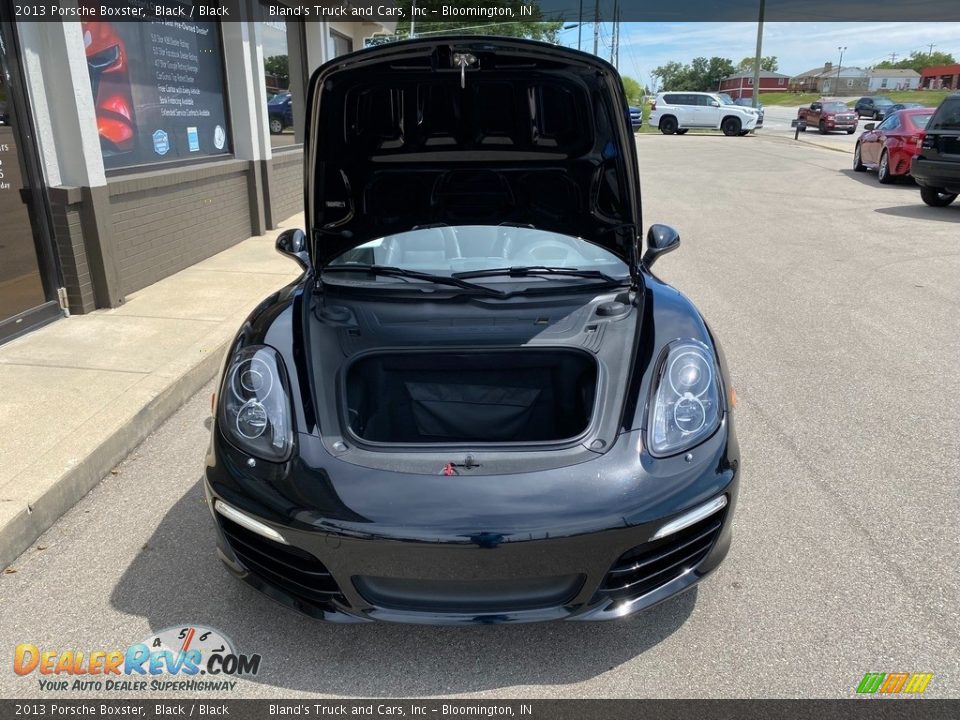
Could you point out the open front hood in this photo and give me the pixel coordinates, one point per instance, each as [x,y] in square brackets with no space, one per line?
[469,131]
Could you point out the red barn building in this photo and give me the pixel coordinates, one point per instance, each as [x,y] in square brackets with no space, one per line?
[741,84]
[946,77]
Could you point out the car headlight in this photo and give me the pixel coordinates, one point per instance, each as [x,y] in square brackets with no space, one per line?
[686,402]
[255,404]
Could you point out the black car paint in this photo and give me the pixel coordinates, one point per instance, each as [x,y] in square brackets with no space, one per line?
[360,520]
[937,166]
[489,520]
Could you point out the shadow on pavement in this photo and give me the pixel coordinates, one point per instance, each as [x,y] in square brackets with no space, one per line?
[869,177]
[176,579]
[951,213]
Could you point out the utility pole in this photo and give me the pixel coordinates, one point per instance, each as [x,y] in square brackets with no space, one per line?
[616,60]
[613,35]
[893,57]
[932,46]
[596,26]
[840,67]
[755,95]
[580,26]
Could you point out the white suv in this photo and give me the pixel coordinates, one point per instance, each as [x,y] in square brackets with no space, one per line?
[677,112]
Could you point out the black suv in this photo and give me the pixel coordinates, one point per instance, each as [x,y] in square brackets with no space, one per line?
[873,107]
[937,168]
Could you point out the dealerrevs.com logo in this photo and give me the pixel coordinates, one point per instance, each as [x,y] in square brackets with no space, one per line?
[895,683]
[190,658]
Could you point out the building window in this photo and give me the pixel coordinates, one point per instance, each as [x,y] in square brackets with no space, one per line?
[341,43]
[849,82]
[749,81]
[276,76]
[883,83]
[158,90]
[779,81]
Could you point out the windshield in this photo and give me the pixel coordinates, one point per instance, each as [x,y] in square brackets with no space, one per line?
[948,116]
[920,121]
[446,250]
[278,99]
[835,107]
[726,99]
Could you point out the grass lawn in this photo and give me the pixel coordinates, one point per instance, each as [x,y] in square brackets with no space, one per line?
[930,98]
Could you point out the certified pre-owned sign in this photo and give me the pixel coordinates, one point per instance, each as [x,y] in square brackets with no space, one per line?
[189,658]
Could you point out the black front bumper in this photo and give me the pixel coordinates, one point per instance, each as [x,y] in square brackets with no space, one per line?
[574,543]
[941,174]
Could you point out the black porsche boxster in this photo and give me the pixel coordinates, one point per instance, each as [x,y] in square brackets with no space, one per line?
[476,404]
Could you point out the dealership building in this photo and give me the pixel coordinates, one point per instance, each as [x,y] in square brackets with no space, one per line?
[132,150]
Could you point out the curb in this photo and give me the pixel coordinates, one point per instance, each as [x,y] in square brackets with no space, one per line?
[27,524]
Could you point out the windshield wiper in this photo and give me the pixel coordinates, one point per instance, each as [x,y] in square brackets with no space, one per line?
[537,270]
[390,271]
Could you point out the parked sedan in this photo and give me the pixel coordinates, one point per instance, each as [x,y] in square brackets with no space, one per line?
[890,146]
[876,107]
[747,102]
[903,106]
[477,404]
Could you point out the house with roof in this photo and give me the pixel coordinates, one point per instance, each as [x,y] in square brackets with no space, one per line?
[830,80]
[893,79]
[740,85]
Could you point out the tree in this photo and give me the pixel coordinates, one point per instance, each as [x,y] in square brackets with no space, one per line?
[279,66]
[633,90]
[531,26]
[701,74]
[918,61]
[671,75]
[768,63]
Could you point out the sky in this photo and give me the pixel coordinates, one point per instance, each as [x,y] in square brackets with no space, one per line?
[798,46]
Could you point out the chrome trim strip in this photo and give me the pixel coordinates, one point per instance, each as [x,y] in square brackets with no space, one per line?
[251,524]
[694,516]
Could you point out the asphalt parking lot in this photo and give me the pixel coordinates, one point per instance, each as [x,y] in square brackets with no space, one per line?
[836,300]
[776,123]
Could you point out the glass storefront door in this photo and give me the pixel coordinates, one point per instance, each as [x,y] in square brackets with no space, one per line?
[28,280]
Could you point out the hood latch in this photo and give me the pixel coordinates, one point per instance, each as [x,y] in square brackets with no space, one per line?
[462,59]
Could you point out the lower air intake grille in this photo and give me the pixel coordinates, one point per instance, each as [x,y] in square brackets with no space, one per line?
[294,570]
[654,564]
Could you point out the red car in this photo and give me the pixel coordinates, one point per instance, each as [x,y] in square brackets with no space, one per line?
[110,79]
[890,146]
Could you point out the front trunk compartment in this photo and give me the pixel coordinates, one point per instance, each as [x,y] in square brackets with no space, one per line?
[488,386]
[470,396]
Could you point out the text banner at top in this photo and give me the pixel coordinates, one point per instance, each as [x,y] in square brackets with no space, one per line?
[493,11]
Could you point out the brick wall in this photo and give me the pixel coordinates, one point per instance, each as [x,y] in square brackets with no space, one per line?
[68,235]
[164,222]
[286,185]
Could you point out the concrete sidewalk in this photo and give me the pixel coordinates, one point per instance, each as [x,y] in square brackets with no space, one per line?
[81,393]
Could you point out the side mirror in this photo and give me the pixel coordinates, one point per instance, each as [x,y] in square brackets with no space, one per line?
[714,103]
[293,244]
[661,239]
[869,126]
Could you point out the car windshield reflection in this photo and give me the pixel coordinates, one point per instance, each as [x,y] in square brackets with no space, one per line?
[450,250]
